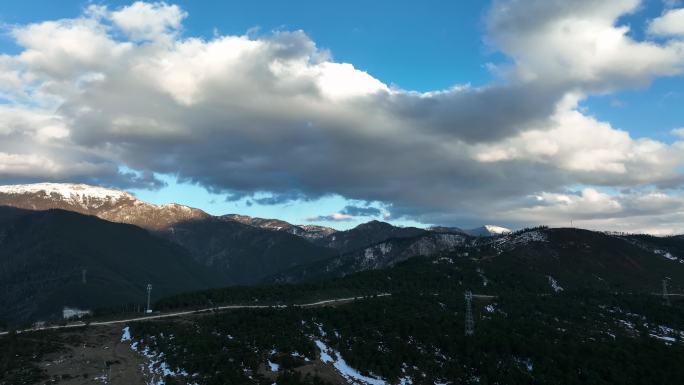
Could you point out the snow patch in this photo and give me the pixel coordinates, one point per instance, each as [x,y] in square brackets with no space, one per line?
[156,369]
[493,229]
[273,366]
[349,373]
[126,336]
[554,284]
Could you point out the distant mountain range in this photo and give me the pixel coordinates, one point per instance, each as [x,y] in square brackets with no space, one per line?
[243,250]
[50,232]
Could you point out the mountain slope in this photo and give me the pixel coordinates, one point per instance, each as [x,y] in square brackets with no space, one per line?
[377,256]
[305,231]
[366,234]
[488,231]
[244,254]
[242,249]
[523,332]
[107,204]
[42,254]
[573,258]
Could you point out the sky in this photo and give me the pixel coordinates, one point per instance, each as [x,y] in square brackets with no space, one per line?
[512,112]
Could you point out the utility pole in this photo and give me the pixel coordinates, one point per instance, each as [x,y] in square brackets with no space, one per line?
[666,296]
[84,271]
[149,291]
[469,323]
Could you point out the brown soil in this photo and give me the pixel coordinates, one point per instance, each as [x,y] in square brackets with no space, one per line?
[94,355]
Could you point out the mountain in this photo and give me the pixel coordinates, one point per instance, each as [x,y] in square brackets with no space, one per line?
[488,231]
[43,255]
[377,256]
[107,204]
[305,231]
[549,306]
[244,254]
[242,249]
[576,258]
[445,229]
[366,234]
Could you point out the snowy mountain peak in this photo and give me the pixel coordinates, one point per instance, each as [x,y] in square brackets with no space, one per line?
[493,229]
[488,231]
[76,193]
[108,204]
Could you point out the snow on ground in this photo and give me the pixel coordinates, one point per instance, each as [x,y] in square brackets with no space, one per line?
[74,193]
[126,336]
[554,284]
[509,241]
[274,367]
[668,255]
[668,340]
[349,373]
[493,229]
[156,369]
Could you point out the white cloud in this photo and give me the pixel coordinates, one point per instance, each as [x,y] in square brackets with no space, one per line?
[592,151]
[143,21]
[334,217]
[669,24]
[579,42]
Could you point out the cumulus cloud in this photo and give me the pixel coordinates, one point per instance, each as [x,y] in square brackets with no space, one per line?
[669,24]
[275,116]
[579,43]
[147,21]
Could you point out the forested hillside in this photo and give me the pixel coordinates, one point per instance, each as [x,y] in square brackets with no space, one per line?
[43,256]
[531,330]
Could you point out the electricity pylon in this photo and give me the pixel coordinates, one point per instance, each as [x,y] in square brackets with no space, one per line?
[666,296]
[469,323]
[149,291]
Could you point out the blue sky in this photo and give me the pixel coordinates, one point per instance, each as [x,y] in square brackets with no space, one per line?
[411,46]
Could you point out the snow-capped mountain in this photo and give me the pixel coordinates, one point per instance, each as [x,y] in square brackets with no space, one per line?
[238,252]
[488,231]
[305,231]
[108,204]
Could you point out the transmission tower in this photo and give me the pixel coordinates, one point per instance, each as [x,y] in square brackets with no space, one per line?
[149,292]
[84,271]
[469,323]
[666,296]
